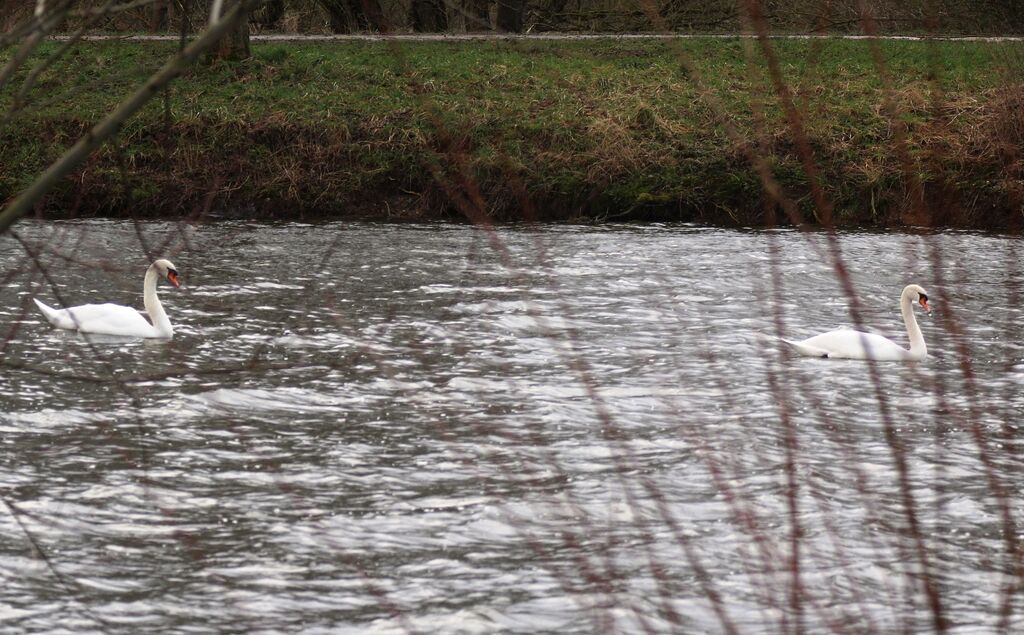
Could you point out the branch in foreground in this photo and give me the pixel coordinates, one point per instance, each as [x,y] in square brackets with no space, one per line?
[113,122]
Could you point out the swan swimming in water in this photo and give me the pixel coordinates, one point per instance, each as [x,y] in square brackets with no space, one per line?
[114,319]
[849,344]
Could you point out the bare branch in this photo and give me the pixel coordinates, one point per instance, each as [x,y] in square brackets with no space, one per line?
[112,123]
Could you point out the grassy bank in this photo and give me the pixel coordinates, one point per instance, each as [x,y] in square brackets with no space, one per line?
[560,130]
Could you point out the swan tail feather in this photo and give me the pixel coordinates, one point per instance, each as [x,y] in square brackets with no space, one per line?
[50,313]
[59,318]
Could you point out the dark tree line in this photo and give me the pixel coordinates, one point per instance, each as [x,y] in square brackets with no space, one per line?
[422,16]
[354,15]
[430,16]
[518,16]
[346,16]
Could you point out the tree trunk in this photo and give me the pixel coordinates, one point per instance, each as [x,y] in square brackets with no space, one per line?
[478,15]
[373,16]
[158,17]
[1011,11]
[551,16]
[354,15]
[269,14]
[511,15]
[235,43]
[429,16]
[184,19]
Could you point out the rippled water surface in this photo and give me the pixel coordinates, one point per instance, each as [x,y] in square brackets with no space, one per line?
[365,428]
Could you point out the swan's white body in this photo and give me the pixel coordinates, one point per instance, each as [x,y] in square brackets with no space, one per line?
[849,344]
[114,319]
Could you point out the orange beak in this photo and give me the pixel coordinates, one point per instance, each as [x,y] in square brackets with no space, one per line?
[173,279]
[924,303]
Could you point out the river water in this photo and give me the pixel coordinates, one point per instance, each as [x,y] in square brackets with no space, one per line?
[364,428]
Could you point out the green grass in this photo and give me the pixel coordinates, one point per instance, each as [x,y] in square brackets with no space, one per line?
[586,129]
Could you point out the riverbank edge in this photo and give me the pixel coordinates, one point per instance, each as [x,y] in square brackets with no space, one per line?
[892,209]
[437,185]
[442,184]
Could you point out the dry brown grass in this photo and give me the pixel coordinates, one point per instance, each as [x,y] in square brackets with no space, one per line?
[605,129]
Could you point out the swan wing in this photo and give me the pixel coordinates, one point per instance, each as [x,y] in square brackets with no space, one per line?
[849,344]
[805,349]
[104,319]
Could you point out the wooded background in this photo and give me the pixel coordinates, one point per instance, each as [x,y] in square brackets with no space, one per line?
[518,16]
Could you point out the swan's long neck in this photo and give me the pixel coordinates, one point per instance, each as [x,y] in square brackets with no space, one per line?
[152,303]
[918,350]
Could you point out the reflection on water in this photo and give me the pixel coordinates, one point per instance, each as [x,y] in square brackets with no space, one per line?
[402,428]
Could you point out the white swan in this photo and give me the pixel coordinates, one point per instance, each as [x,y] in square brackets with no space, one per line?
[848,344]
[114,319]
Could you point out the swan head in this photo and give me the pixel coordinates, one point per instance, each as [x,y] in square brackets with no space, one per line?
[167,270]
[917,294]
